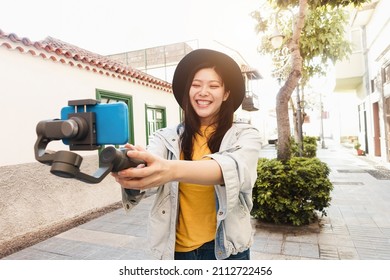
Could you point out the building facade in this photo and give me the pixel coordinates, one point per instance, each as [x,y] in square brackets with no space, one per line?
[365,77]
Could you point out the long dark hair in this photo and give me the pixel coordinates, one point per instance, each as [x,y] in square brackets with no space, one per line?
[222,123]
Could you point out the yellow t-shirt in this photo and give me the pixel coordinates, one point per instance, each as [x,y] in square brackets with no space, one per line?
[197,215]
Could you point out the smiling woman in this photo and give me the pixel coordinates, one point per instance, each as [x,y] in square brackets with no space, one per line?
[207,165]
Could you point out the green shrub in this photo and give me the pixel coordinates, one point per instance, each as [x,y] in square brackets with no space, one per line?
[291,192]
[309,147]
[310,140]
[309,150]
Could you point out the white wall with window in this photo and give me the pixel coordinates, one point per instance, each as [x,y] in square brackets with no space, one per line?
[34,85]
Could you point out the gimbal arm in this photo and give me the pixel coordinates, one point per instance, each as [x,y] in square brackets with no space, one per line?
[64,164]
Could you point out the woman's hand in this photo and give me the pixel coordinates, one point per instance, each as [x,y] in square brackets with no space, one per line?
[156,172]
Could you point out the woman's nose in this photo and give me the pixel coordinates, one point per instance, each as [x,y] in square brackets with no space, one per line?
[204,91]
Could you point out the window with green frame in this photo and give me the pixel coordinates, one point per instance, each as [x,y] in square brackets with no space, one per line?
[105,96]
[155,117]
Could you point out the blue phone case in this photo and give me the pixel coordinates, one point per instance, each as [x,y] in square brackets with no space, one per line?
[112,122]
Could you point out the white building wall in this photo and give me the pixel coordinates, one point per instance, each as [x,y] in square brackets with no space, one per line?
[377,31]
[373,24]
[33,88]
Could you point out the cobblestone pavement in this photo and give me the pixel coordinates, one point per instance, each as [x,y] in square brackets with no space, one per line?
[357,226]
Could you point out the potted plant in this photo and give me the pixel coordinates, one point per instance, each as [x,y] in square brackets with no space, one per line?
[359,151]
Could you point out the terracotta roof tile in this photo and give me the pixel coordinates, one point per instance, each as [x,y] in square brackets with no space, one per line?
[59,51]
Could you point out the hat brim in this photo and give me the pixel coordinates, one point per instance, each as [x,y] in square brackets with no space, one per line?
[233,78]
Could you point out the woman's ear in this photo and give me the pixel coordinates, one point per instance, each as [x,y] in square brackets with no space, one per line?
[226,95]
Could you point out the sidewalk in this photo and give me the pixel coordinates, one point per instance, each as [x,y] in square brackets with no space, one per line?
[357,226]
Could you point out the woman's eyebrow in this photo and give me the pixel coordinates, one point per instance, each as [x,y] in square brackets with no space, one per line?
[210,81]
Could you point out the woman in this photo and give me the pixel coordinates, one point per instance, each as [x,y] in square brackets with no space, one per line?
[202,170]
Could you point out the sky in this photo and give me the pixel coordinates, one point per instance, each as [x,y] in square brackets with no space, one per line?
[115,26]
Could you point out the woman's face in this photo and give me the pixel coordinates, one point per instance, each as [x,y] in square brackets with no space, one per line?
[207,92]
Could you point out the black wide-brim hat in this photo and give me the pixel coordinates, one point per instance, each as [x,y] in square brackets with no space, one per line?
[230,71]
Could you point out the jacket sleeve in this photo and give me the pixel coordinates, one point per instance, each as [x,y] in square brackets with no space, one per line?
[239,168]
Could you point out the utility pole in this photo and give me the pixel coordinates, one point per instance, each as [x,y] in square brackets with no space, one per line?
[299,123]
[322,122]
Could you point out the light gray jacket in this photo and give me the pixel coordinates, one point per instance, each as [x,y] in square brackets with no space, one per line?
[238,156]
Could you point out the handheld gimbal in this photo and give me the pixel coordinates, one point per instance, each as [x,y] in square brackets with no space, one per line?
[97,124]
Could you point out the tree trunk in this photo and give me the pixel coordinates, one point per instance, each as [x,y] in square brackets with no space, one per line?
[284,94]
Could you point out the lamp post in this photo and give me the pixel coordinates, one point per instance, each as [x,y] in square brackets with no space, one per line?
[299,123]
[277,38]
[322,123]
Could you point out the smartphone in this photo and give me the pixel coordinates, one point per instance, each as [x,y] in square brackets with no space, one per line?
[112,121]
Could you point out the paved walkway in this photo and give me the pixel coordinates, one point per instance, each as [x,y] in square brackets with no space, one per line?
[357,226]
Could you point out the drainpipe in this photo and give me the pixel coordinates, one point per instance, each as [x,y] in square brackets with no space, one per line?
[367,85]
[384,116]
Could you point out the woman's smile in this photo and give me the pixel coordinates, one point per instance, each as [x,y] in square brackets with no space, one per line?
[203,103]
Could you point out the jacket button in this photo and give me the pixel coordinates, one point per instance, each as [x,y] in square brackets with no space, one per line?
[163,211]
[220,213]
